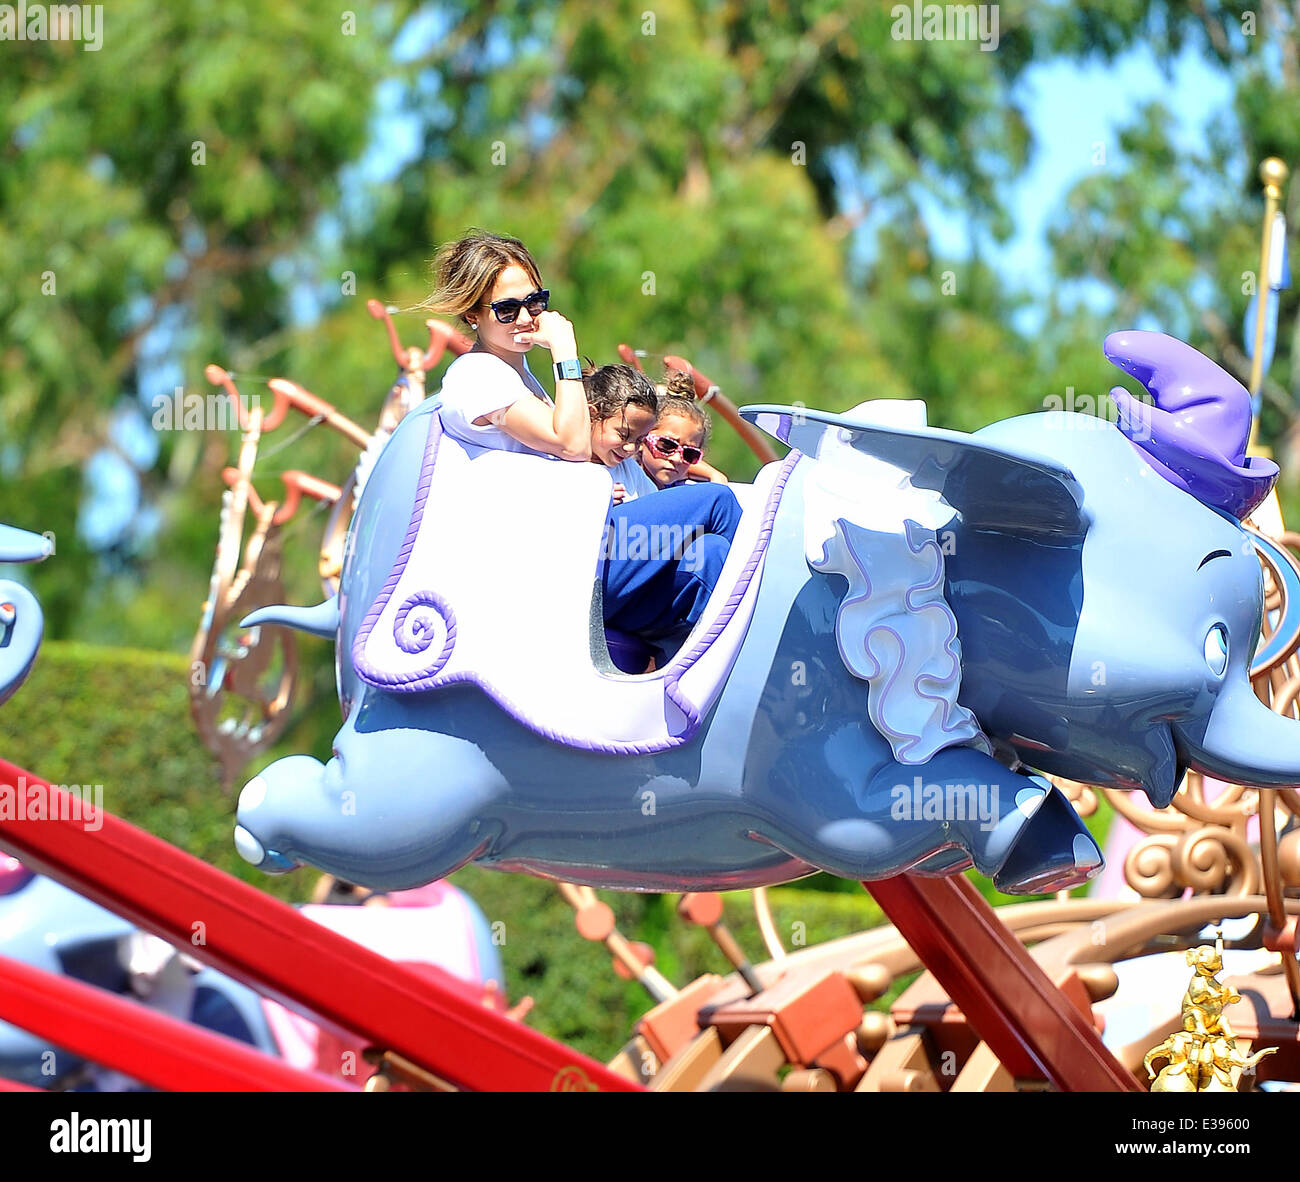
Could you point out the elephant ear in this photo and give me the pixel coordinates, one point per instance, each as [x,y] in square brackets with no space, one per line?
[993,488]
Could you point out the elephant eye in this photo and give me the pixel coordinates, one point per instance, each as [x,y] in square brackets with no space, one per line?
[7,614]
[1216,649]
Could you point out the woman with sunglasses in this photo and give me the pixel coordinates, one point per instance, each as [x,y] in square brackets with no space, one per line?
[491,399]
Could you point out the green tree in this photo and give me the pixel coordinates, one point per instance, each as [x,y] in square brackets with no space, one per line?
[157,183]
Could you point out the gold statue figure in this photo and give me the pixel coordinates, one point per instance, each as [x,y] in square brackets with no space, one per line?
[1203,1056]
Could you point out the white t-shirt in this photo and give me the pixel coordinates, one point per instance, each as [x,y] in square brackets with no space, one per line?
[633,477]
[481,385]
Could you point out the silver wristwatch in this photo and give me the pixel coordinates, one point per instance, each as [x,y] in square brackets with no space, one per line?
[570,370]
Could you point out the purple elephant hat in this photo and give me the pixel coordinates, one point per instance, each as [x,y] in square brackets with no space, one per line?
[1195,434]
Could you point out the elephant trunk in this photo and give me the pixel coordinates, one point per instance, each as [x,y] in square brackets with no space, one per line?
[1247,743]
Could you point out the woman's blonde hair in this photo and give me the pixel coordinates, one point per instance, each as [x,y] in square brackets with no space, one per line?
[465,270]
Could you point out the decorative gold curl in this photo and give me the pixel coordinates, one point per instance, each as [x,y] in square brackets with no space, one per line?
[1207,860]
[1234,804]
[1212,860]
[1148,868]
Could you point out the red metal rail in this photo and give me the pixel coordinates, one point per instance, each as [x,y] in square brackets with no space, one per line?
[1004,993]
[271,948]
[148,1046]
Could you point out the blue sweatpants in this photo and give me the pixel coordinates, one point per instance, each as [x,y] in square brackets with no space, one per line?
[664,553]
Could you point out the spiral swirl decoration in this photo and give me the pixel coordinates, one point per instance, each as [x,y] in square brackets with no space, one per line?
[424,618]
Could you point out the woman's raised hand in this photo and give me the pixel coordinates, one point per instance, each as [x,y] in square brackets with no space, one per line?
[554,333]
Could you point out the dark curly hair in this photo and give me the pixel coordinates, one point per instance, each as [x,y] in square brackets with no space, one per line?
[612,387]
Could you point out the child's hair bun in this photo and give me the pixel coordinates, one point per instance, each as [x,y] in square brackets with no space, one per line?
[679,383]
[680,398]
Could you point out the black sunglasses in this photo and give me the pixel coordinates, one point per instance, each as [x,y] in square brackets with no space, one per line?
[507,311]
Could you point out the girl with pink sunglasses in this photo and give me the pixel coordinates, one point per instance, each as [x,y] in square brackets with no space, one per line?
[673,451]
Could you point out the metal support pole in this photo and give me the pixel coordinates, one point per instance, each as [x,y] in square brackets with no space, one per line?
[1033,1029]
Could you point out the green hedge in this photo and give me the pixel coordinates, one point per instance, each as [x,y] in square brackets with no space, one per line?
[121,718]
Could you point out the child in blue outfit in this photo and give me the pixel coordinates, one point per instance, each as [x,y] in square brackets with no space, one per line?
[665,548]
